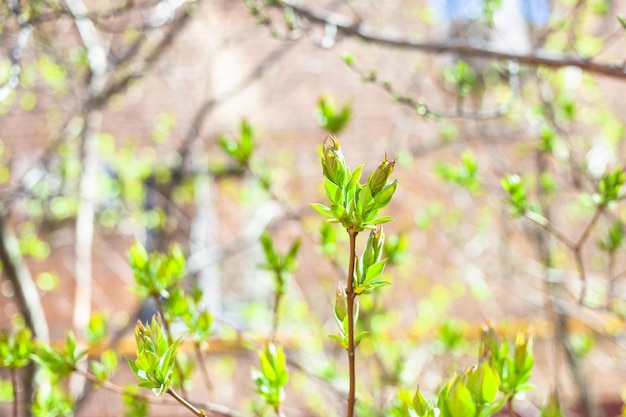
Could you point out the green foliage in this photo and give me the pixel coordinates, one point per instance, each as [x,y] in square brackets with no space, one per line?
[106,366]
[552,407]
[609,187]
[517,199]
[273,376]
[60,362]
[466,175]
[396,248]
[135,407]
[581,343]
[482,390]
[490,7]
[461,76]
[156,357]
[16,346]
[96,330]
[6,391]
[514,367]
[280,265]
[340,313]
[451,334]
[614,238]
[240,149]
[51,399]
[353,204]
[328,239]
[156,273]
[370,266]
[329,117]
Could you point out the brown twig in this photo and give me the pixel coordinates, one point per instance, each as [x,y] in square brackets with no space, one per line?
[215,409]
[355,28]
[351,296]
[186,403]
[204,372]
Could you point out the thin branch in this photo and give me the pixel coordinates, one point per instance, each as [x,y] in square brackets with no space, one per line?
[355,28]
[16,53]
[16,271]
[186,403]
[200,117]
[425,110]
[151,58]
[579,255]
[216,409]
[206,378]
[351,296]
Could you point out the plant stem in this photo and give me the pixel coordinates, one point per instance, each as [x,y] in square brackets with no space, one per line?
[351,296]
[16,401]
[203,371]
[277,297]
[510,406]
[186,403]
[216,409]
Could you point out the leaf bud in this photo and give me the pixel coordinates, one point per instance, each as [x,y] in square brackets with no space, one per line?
[341,303]
[374,248]
[333,162]
[523,351]
[378,178]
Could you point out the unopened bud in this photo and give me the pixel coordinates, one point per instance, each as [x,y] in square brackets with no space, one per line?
[523,354]
[374,248]
[378,178]
[341,303]
[333,163]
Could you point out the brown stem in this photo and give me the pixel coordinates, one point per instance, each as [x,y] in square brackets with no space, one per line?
[509,404]
[579,256]
[610,287]
[203,371]
[216,409]
[186,403]
[355,28]
[351,346]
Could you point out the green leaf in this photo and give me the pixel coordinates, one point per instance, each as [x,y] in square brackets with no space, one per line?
[483,382]
[459,401]
[333,192]
[375,271]
[349,58]
[96,330]
[383,197]
[378,220]
[422,406]
[322,209]
[359,337]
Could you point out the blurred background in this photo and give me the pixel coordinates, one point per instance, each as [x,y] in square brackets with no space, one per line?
[201,122]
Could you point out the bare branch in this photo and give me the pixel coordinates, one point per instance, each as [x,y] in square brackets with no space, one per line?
[16,271]
[16,53]
[355,28]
